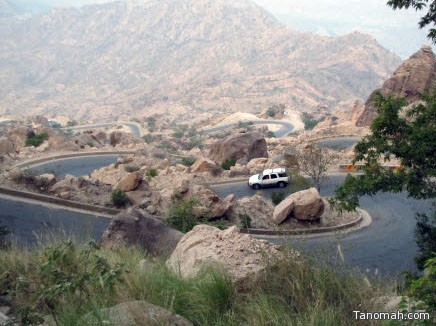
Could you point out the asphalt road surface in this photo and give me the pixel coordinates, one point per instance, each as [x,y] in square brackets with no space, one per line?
[30,222]
[386,246]
[339,143]
[283,131]
[135,130]
[77,166]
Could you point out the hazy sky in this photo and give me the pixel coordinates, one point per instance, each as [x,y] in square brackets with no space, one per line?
[395,30]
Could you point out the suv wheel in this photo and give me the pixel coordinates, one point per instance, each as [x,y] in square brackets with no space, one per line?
[281,184]
[256,186]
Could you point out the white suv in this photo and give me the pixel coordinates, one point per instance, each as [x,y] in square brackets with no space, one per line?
[269,178]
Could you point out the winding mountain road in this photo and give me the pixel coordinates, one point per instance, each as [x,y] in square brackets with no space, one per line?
[386,246]
[135,129]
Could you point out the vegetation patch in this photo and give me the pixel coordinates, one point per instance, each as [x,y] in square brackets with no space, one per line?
[36,140]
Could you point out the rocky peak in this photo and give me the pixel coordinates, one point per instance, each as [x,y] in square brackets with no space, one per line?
[414,76]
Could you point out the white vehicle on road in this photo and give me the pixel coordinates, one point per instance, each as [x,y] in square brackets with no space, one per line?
[269,178]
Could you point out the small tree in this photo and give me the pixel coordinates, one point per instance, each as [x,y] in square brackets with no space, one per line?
[315,161]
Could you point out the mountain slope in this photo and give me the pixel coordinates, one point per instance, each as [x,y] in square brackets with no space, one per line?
[130,57]
[412,79]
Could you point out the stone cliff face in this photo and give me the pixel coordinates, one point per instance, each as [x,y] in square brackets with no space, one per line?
[132,58]
[415,75]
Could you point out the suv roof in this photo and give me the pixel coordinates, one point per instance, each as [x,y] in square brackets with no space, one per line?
[276,170]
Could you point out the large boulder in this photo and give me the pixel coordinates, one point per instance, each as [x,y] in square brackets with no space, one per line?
[241,147]
[130,182]
[66,185]
[135,313]
[209,204]
[135,228]
[308,204]
[203,164]
[241,255]
[283,209]
[257,207]
[414,76]
[109,175]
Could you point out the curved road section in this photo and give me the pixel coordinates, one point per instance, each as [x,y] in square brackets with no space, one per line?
[134,128]
[283,131]
[385,246]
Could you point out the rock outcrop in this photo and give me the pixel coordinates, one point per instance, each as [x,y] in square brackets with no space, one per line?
[241,255]
[209,204]
[135,228]
[135,313]
[414,76]
[241,147]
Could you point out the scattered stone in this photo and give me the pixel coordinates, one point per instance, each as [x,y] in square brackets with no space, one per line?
[130,182]
[135,313]
[203,164]
[46,179]
[65,195]
[138,229]
[257,208]
[208,203]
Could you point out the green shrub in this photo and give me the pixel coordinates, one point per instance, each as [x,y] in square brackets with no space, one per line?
[36,140]
[244,221]
[227,164]
[152,173]
[309,121]
[424,287]
[63,278]
[148,138]
[277,196]
[188,161]
[181,216]
[119,198]
[270,134]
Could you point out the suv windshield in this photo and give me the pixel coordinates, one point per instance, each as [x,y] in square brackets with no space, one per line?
[260,176]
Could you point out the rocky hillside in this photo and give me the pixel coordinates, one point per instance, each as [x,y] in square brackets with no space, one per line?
[415,75]
[177,56]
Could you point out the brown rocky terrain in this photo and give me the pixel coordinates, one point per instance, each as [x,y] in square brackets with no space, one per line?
[414,76]
[178,58]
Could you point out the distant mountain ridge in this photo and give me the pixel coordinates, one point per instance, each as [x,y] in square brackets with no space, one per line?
[196,55]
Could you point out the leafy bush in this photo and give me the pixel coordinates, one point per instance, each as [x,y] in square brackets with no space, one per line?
[425,235]
[148,138]
[119,198]
[64,278]
[227,164]
[188,161]
[181,216]
[152,173]
[424,288]
[270,134]
[36,140]
[277,196]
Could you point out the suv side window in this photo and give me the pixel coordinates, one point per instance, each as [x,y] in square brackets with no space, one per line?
[273,176]
[282,175]
[265,177]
